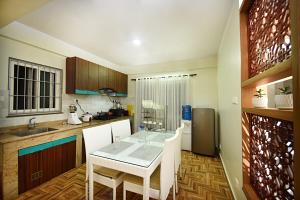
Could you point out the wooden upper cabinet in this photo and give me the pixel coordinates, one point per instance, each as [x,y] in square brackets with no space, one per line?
[122,83]
[118,81]
[125,83]
[102,77]
[112,78]
[83,76]
[77,74]
[93,78]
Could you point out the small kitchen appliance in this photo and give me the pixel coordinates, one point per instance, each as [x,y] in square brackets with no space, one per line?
[72,116]
[103,116]
[118,112]
[87,117]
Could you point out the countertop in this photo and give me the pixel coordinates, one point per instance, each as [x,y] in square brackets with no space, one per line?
[6,134]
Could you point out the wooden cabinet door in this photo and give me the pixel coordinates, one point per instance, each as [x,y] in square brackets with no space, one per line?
[82,74]
[119,81]
[57,165]
[103,77]
[29,172]
[112,79]
[68,156]
[124,86]
[41,166]
[47,162]
[93,76]
[70,75]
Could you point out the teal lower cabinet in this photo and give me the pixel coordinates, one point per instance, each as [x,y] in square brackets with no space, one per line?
[40,163]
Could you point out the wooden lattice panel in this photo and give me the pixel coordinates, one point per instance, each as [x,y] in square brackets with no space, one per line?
[271,158]
[269,34]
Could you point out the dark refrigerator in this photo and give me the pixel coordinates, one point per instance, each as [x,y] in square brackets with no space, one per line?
[203,131]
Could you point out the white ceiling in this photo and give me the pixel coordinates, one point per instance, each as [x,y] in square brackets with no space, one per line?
[169,30]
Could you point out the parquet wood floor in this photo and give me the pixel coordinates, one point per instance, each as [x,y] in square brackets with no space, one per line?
[203,178]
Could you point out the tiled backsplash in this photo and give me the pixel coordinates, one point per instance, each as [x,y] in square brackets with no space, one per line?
[89,103]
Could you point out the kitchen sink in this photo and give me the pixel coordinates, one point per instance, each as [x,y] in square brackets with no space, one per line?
[33,131]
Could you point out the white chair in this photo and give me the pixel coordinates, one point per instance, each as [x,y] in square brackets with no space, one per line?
[94,139]
[162,178]
[121,129]
[178,169]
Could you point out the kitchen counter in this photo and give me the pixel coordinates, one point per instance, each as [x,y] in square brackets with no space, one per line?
[6,134]
[10,145]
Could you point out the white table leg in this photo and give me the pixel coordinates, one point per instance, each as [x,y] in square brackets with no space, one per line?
[91,181]
[146,188]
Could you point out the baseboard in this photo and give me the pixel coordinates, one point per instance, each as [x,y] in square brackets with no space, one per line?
[229,180]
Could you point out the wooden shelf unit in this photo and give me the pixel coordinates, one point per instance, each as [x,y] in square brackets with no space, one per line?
[287,68]
[277,72]
[295,28]
[250,193]
[271,112]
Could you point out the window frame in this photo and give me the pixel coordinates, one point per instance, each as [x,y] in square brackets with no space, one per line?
[39,67]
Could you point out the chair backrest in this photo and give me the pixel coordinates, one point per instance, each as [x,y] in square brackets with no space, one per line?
[178,148]
[167,168]
[121,129]
[96,138]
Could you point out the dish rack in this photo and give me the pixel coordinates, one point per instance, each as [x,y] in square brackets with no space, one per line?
[154,116]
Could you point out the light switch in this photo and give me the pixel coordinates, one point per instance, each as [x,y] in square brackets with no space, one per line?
[235,100]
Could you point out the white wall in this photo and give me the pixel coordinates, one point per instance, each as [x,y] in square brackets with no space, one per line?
[23,42]
[203,88]
[229,86]
[49,52]
[173,66]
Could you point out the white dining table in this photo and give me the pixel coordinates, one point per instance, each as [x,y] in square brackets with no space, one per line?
[139,154]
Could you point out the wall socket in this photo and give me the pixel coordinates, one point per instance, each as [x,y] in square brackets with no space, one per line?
[235,100]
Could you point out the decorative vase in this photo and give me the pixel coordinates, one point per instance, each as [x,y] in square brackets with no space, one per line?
[284,101]
[260,102]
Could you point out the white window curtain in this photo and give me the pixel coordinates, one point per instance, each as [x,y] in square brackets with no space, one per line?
[172,92]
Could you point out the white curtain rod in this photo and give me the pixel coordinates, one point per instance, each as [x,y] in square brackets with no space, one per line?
[169,76]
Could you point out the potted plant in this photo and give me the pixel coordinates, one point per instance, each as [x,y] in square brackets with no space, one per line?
[284,100]
[260,99]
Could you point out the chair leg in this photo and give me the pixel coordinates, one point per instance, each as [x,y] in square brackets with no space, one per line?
[87,190]
[124,193]
[114,193]
[180,171]
[174,195]
[176,184]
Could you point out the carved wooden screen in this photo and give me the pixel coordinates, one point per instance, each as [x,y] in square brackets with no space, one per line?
[271,157]
[269,34]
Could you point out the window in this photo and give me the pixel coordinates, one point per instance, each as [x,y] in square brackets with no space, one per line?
[33,88]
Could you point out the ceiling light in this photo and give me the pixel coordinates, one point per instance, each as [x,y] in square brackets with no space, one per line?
[137,42]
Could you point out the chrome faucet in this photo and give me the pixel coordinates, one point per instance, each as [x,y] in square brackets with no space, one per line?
[31,123]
